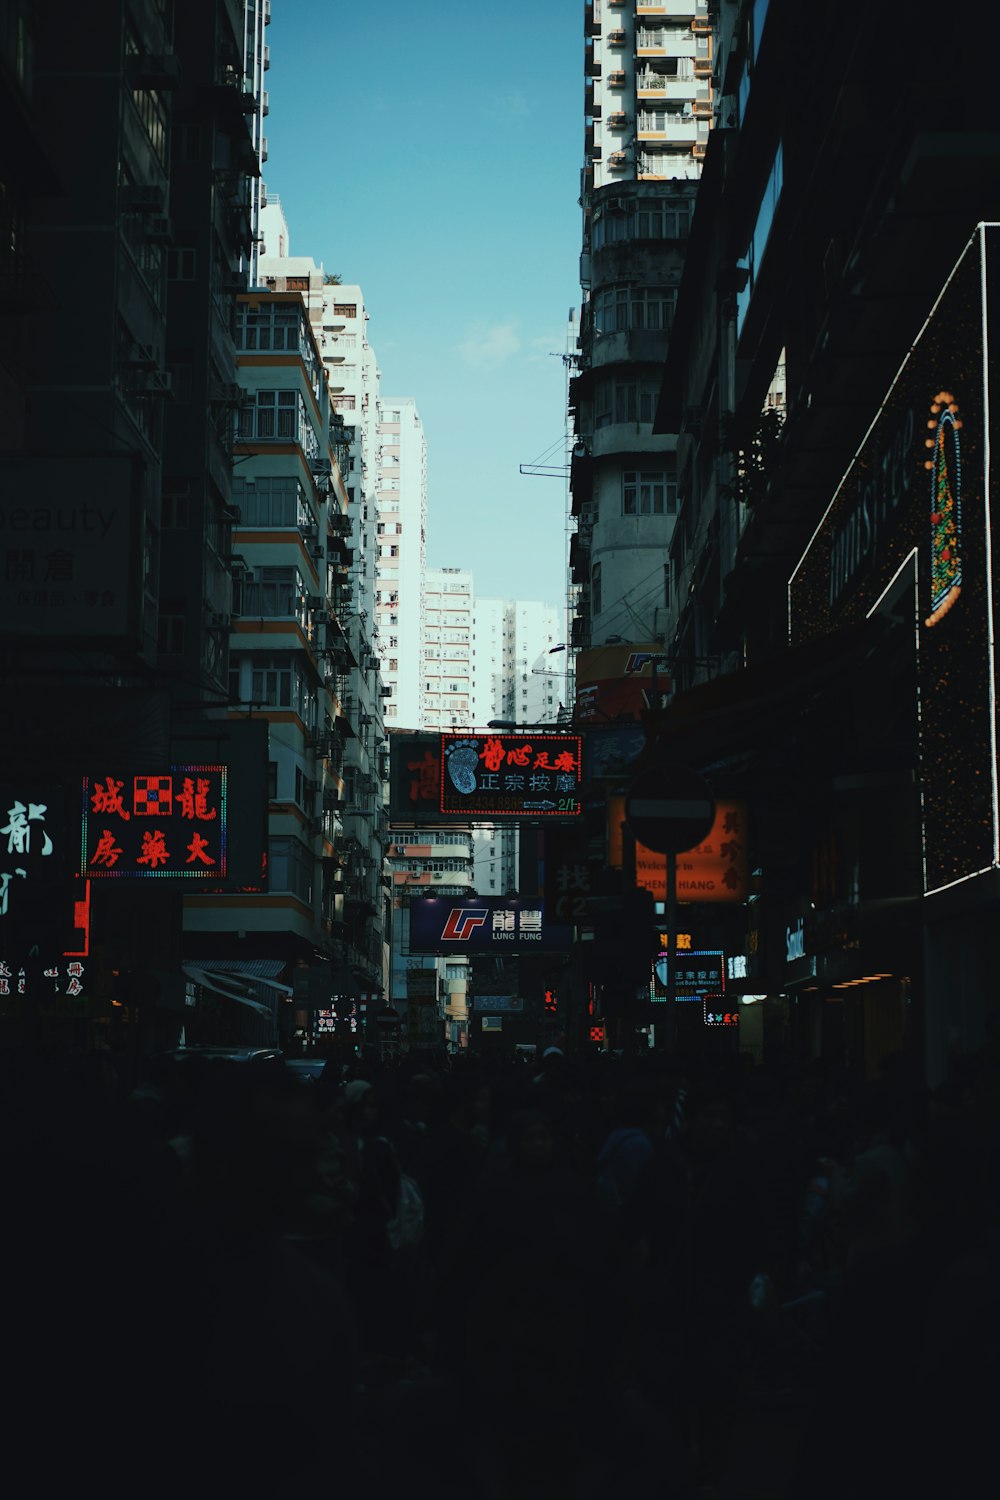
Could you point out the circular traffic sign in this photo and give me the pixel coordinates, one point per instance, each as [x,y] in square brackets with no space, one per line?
[669,808]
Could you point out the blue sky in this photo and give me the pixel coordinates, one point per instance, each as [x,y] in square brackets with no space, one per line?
[432,154]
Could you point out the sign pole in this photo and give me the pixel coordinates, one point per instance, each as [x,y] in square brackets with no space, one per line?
[671,946]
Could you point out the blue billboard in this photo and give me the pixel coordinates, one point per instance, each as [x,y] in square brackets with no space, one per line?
[484,924]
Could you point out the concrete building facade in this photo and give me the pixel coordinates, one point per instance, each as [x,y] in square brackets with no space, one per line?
[648,112]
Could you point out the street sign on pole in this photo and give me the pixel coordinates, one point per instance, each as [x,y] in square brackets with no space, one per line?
[669,808]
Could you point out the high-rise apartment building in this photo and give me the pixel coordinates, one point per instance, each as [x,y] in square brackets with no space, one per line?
[446,684]
[346,547]
[124,248]
[649,98]
[649,89]
[401,487]
[256,61]
[515,643]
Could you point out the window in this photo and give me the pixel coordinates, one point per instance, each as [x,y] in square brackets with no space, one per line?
[174,510]
[180,265]
[271,684]
[345,309]
[268,414]
[276,325]
[271,500]
[153,113]
[273,592]
[170,634]
[648,493]
[617,309]
[595,591]
[754,253]
[290,867]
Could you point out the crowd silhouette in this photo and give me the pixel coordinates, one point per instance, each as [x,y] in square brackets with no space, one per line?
[489,1277]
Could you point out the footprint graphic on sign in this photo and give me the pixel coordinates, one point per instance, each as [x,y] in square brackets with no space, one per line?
[462,761]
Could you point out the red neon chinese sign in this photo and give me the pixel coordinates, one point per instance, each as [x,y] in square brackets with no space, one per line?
[524,775]
[169,823]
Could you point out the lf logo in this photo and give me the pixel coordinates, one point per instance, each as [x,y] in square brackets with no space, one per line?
[462,923]
[639,659]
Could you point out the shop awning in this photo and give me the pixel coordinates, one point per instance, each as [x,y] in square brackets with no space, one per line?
[236,981]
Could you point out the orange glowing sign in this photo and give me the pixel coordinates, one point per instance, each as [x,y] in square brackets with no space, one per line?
[716,870]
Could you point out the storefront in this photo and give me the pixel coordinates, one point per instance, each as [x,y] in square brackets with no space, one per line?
[908,540]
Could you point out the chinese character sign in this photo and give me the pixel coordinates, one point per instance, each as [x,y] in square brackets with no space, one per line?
[167,823]
[59,978]
[483,924]
[716,870]
[696,973]
[523,775]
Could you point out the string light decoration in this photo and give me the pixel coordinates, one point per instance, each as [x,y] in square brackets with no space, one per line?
[945,468]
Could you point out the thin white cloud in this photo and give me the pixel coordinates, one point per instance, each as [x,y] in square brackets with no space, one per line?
[508,107]
[488,348]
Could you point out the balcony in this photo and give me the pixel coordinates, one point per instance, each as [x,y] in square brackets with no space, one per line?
[617,160]
[618,120]
[617,80]
[617,38]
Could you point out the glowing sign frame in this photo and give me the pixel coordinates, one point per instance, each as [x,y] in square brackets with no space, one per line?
[470,790]
[215,775]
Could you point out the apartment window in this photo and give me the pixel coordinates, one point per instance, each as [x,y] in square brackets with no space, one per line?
[648,493]
[269,414]
[271,500]
[276,325]
[343,403]
[174,509]
[181,265]
[345,309]
[617,309]
[273,593]
[271,683]
[153,113]
[290,867]
[170,634]
[595,590]
[754,253]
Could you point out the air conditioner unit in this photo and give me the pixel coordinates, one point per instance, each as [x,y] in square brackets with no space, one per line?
[142,357]
[159,382]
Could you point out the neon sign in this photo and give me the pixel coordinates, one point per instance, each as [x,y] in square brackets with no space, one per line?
[945,466]
[169,824]
[522,775]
